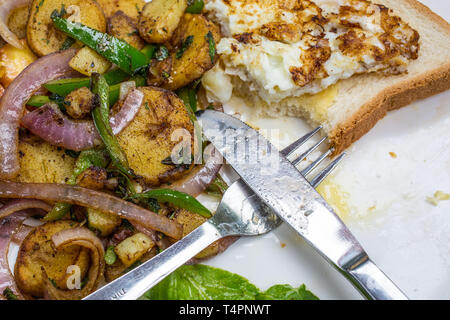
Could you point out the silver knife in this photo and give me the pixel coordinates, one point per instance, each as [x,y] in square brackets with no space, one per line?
[281,186]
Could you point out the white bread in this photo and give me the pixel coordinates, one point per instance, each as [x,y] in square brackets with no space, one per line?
[352,107]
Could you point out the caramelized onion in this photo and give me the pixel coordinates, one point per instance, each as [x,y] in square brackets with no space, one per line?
[22,204]
[50,124]
[202,176]
[6,6]
[13,214]
[92,199]
[12,104]
[87,239]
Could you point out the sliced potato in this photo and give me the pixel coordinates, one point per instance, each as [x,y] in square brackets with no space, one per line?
[87,62]
[123,27]
[44,38]
[37,254]
[147,141]
[17,21]
[192,221]
[104,222]
[41,162]
[196,58]
[160,18]
[131,8]
[133,248]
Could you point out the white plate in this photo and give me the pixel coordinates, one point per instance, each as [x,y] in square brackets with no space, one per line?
[385,202]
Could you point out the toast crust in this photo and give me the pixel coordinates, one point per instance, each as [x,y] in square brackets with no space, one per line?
[395,97]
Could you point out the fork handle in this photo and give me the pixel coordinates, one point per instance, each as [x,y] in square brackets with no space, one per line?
[135,283]
[372,283]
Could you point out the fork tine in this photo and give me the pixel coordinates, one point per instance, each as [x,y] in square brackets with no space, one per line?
[297,144]
[313,165]
[308,152]
[325,172]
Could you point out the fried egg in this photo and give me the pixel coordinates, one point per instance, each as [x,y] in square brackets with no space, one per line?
[288,48]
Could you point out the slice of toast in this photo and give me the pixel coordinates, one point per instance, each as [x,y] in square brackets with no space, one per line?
[350,108]
[363,100]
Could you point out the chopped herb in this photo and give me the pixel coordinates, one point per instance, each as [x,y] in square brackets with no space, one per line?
[110,255]
[146,106]
[53,282]
[212,45]
[162,53]
[9,294]
[72,154]
[217,187]
[165,75]
[153,205]
[184,46]
[67,44]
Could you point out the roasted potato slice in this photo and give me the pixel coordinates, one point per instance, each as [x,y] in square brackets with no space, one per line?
[147,141]
[131,8]
[43,36]
[41,162]
[123,27]
[37,254]
[87,62]
[195,57]
[17,21]
[192,221]
[160,18]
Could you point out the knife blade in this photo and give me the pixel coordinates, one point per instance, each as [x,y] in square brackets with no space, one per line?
[281,186]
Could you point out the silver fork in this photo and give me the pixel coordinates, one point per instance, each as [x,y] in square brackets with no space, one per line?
[240,213]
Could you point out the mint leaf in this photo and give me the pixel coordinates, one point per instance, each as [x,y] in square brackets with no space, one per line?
[201,282]
[287,292]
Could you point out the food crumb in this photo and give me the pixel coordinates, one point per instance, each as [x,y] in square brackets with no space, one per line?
[437,197]
[393,155]
[283,245]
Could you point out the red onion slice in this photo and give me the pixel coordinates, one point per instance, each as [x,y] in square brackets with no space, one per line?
[23,204]
[201,177]
[6,6]
[50,124]
[13,102]
[92,199]
[14,213]
[87,239]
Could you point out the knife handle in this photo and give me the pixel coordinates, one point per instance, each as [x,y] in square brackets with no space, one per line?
[135,283]
[373,283]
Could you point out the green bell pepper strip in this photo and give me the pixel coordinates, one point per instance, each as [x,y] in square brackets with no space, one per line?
[178,199]
[195,6]
[117,51]
[87,159]
[100,115]
[65,86]
[114,93]
[38,101]
[189,97]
